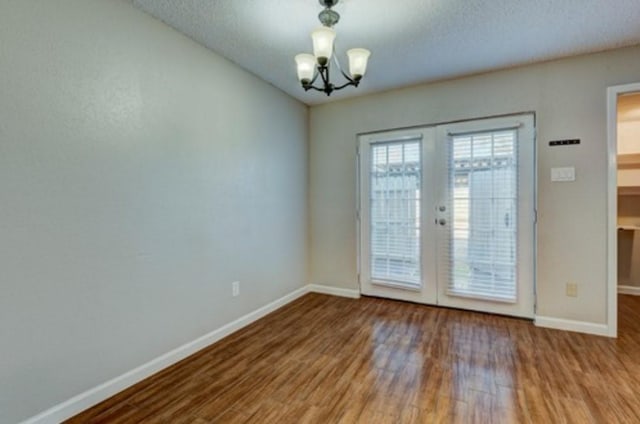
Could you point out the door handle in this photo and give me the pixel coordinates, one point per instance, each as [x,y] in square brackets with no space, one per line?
[442,221]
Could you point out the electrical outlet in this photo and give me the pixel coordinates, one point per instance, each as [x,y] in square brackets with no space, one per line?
[572,289]
[235,288]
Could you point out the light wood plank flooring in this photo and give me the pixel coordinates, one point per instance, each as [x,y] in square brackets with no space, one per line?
[325,359]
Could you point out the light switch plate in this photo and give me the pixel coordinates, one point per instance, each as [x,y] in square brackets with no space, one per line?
[564,174]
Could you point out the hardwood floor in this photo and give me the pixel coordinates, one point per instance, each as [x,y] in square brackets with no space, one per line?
[325,359]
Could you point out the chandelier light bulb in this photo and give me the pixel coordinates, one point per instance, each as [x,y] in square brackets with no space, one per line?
[306,67]
[358,59]
[323,38]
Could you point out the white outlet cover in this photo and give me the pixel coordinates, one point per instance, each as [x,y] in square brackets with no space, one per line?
[564,174]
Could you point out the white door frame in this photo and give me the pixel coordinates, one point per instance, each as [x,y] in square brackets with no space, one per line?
[612,202]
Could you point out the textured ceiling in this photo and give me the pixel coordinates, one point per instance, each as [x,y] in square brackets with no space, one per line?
[411,41]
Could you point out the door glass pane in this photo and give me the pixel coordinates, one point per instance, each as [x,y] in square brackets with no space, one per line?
[483,186]
[395,185]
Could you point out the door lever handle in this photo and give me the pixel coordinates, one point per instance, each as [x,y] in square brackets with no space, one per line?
[442,221]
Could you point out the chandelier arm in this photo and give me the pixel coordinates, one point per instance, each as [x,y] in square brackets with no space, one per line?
[315,77]
[347,84]
[344,74]
[312,87]
[324,74]
[327,87]
[326,79]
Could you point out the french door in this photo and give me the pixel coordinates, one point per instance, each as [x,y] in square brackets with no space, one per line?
[447,215]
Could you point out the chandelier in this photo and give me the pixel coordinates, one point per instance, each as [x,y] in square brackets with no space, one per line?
[312,66]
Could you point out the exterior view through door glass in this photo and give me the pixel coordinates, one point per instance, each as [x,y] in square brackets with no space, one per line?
[447,215]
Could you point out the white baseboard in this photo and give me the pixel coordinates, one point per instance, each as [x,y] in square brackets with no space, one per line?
[334,291]
[632,290]
[104,391]
[570,325]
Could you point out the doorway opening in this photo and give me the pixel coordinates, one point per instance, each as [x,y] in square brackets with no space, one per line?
[623,198]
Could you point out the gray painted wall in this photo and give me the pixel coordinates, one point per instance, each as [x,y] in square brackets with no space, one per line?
[140,174]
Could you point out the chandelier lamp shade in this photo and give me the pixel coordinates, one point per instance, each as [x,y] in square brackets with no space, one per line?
[312,67]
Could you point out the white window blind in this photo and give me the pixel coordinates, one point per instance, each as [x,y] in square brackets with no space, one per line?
[395,188]
[483,193]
